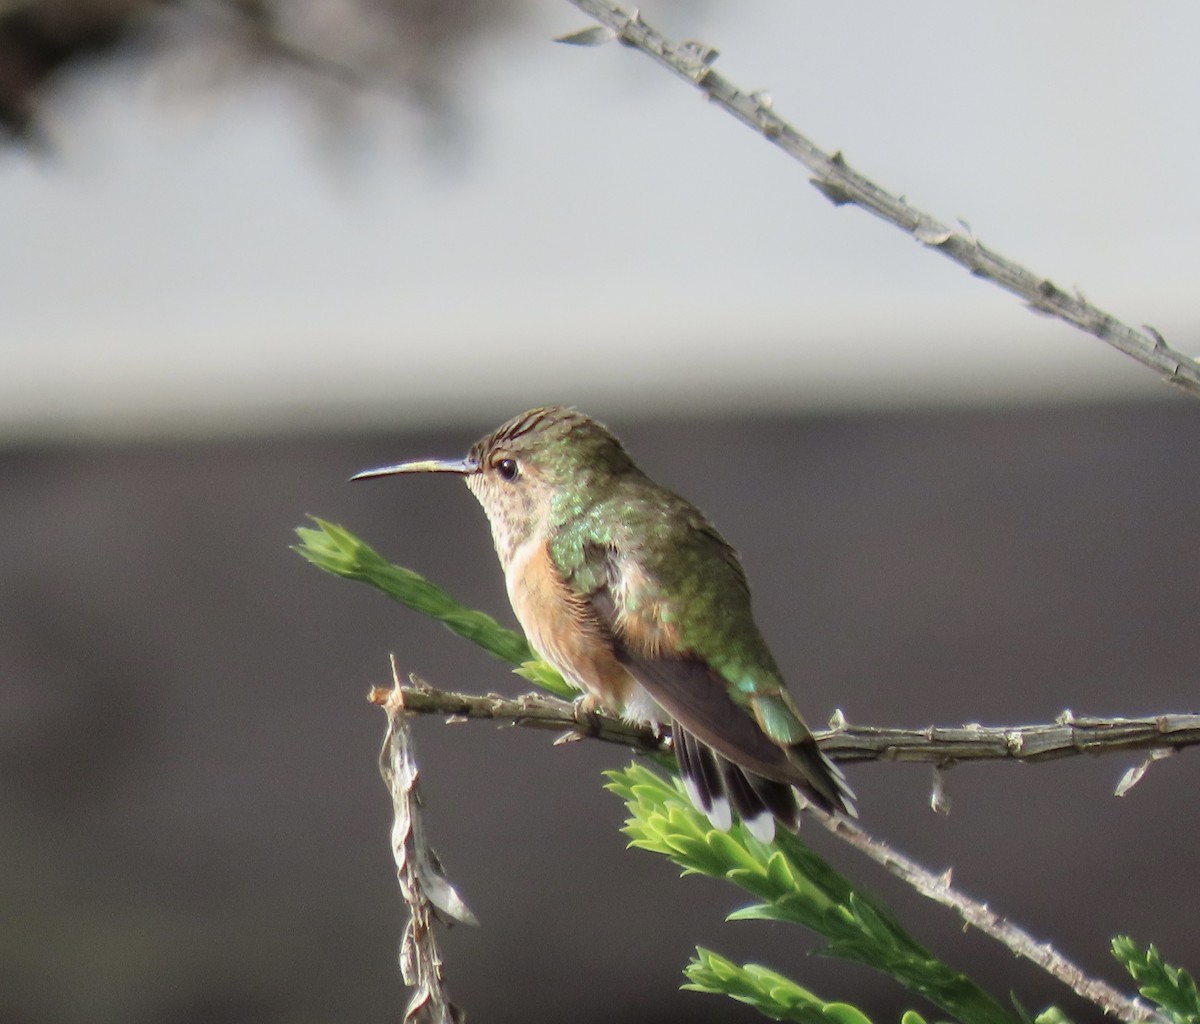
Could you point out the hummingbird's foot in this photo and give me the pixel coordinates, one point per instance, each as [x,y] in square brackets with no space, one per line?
[587,704]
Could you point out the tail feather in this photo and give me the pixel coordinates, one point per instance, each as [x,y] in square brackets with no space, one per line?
[756,812]
[702,778]
[779,798]
[824,782]
[718,786]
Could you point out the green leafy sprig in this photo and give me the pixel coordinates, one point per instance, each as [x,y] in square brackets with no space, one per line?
[1172,988]
[793,884]
[771,993]
[338,551]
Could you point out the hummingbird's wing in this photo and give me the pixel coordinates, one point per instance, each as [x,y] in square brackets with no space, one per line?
[748,752]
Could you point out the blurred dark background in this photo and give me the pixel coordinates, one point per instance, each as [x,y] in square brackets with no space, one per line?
[249,248]
[195,828]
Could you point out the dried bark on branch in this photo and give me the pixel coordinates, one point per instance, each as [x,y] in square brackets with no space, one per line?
[423,884]
[1068,736]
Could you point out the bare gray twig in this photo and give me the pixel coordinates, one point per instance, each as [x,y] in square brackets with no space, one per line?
[1069,735]
[532,711]
[841,184]
[986,920]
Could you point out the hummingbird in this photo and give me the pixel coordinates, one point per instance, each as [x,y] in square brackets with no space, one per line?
[629,591]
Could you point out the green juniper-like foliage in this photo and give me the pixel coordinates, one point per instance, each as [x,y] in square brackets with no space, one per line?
[338,551]
[1172,988]
[771,993]
[789,881]
[794,885]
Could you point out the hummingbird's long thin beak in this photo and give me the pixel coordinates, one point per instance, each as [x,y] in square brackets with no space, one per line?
[460,467]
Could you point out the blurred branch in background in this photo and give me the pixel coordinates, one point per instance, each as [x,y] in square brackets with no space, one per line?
[834,178]
[406,46]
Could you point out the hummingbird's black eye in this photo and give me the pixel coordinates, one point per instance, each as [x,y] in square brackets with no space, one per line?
[507,468]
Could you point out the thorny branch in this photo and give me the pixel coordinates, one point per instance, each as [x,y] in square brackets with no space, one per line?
[1067,736]
[841,184]
[986,920]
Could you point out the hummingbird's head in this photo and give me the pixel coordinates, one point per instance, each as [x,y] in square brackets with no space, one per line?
[538,469]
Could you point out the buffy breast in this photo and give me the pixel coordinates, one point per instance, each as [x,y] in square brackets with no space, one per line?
[561,627]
